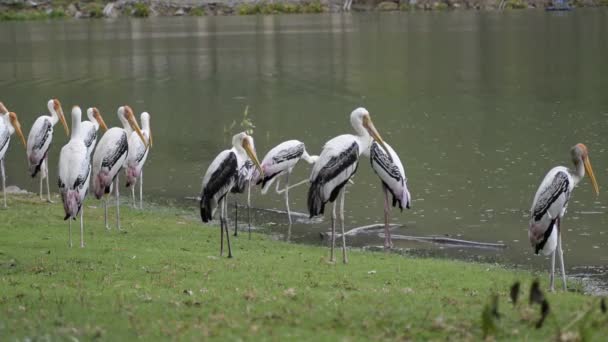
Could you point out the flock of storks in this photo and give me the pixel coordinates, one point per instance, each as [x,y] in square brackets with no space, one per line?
[237,169]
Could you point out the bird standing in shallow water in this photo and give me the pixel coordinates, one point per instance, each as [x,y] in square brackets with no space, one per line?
[9,124]
[392,174]
[550,203]
[219,179]
[39,142]
[336,165]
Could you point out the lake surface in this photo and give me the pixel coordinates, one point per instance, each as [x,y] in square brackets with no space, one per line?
[479,106]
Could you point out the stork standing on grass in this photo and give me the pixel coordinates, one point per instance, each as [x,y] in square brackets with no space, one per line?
[336,165]
[74,175]
[549,206]
[138,153]
[110,156]
[219,179]
[9,124]
[39,142]
[392,174]
[281,160]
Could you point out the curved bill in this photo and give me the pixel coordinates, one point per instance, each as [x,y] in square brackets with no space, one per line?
[589,171]
[97,116]
[17,127]
[150,136]
[134,125]
[251,153]
[369,126]
[59,111]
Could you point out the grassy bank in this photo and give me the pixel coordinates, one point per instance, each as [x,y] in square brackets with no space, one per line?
[162,278]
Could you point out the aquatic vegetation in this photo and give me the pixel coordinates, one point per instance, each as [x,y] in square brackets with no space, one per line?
[94,10]
[197,12]
[280,8]
[141,10]
[516,4]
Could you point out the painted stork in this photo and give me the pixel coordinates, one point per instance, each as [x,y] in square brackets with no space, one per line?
[110,156]
[9,124]
[74,175]
[39,142]
[281,160]
[88,129]
[392,175]
[138,153]
[219,179]
[336,165]
[549,206]
[242,183]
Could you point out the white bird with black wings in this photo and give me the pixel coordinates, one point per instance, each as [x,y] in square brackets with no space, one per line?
[9,124]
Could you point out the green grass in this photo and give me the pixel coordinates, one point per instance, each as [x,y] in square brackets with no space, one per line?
[197,12]
[141,10]
[162,278]
[280,8]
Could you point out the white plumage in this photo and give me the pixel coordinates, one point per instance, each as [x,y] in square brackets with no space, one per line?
[74,175]
[110,156]
[39,141]
[281,160]
[89,129]
[219,179]
[389,169]
[9,124]
[550,203]
[137,156]
[336,164]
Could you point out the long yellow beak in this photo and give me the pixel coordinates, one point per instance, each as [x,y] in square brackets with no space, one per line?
[150,136]
[63,122]
[17,127]
[369,126]
[589,171]
[134,125]
[251,153]
[97,116]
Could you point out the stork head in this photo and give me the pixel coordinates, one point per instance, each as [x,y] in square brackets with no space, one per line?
[54,107]
[125,114]
[94,114]
[244,142]
[361,120]
[580,153]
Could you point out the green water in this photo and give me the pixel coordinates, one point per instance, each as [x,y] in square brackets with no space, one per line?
[479,105]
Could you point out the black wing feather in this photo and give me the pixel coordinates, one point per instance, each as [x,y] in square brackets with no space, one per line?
[220,182]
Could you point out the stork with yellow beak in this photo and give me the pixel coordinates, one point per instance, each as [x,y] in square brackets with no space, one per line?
[109,157]
[9,124]
[549,206]
[336,165]
[138,154]
[219,179]
[39,142]
[88,129]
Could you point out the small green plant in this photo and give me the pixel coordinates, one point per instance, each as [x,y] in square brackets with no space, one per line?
[313,7]
[95,10]
[57,13]
[141,10]
[440,6]
[248,9]
[516,4]
[197,12]
[246,124]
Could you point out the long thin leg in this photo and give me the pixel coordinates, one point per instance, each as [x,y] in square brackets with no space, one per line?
[226,228]
[3,181]
[344,257]
[236,218]
[561,254]
[116,184]
[332,258]
[221,205]
[249,207]
[287,196]
[70,230]
[552,275]
[46,175]
[133,196]
[105,212]
[141,190]
[41,179]
[82,227]
[387,233]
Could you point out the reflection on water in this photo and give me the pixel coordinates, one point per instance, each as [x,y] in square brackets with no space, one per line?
[478,105]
